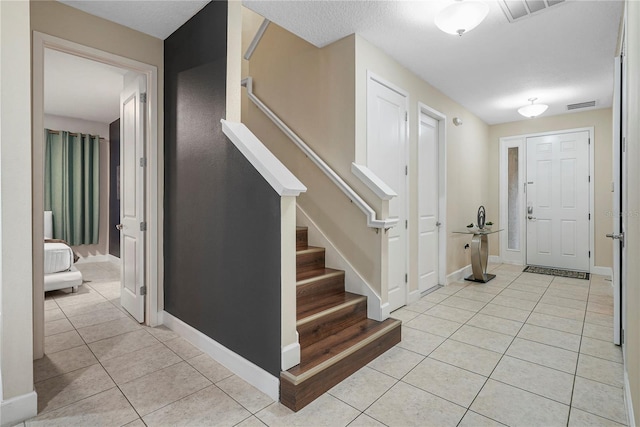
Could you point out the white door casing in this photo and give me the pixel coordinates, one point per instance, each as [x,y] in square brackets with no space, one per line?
[619,195]
[428,209]
[132,164]
[386,157]
[558,201]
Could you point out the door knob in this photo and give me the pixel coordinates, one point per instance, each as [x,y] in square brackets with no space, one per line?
[438,223]
[616,236]
[119,226]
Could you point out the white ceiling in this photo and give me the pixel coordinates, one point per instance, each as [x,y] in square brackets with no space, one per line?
[158,18]
[563,55]
[81,88]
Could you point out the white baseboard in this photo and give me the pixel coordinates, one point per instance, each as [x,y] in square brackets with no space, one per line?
[353,281]
[628,401]
[248,371]
[290,356]
[413,296]
[459,275]
[114,260]
[602,271]
[18,409]
[93,258]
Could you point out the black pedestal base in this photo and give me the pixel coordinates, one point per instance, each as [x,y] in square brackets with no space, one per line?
[487,277]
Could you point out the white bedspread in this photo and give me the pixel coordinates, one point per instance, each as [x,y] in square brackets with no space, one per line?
[57,257]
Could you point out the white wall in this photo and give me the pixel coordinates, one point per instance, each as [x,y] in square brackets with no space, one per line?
[72,124]
[16,346]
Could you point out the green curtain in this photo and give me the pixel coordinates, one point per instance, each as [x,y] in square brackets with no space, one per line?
[72,186]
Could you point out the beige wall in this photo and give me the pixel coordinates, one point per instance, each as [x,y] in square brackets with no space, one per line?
[632,296]
[16,368]
[466,148]
[71,124]
[312,91]
[601,121]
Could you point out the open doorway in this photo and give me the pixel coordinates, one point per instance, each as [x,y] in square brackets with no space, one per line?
[82,112]
[142,108]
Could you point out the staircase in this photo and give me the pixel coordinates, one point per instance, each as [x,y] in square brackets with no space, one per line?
[336,337]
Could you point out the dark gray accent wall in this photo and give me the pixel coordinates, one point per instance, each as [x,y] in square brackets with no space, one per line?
[222,219]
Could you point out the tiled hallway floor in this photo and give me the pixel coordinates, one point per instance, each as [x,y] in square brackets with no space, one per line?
[522,350]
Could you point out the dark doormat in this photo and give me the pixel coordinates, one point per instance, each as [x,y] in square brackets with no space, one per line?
[556,272]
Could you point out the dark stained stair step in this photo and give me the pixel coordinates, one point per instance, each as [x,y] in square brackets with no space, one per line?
[301,238]
[332,359]
[320,324]
[320,283]
[309,259]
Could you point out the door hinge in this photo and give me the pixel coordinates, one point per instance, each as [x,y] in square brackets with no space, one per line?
[589,141]
[143,97]
[143,162]
[143,226]
[589,217]
[621,336]
[143,290]
[406,116]
[624,144]
[406,278]
[589,178]
[406,224]
[589,254]
[406,169]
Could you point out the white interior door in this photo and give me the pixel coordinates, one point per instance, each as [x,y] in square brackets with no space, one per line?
[132,162]
[386,157]
[428,189]
[558,201]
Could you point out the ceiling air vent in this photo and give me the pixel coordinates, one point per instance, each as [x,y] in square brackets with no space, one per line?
[581,105]
[519,9]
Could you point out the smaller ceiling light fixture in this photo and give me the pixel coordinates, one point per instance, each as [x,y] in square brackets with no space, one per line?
[462,16]
[532,110]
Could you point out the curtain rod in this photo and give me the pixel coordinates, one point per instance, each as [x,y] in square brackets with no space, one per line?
[57,132]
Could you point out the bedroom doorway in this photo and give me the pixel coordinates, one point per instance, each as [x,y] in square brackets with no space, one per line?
[99,266]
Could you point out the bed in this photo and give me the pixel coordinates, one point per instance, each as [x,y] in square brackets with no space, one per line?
[59,271]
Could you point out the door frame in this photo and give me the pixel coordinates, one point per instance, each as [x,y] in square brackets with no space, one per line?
[374,78]
[442,187]
[504,143]
[154,175]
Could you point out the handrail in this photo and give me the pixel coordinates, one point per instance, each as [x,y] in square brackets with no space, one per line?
[330,173]
[256,39]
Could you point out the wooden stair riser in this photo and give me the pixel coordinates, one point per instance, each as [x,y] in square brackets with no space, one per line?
[320,287]
[309,260]
[301,239]
[297,396]
[328,323]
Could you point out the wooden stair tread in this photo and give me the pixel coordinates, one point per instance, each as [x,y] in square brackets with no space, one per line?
[333,348]
[318,274]
[309,249]
[318,305]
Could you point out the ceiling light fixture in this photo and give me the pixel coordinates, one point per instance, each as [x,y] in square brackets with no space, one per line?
[461,16]
[532,110]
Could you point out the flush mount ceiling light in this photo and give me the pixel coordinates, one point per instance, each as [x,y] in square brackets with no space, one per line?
[532,110]
[461,16]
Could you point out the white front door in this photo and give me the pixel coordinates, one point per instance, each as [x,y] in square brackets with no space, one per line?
[428,193]
[132,162]
[558,201]
[386,157]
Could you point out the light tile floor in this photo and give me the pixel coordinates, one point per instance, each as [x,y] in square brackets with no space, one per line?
[521,350]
